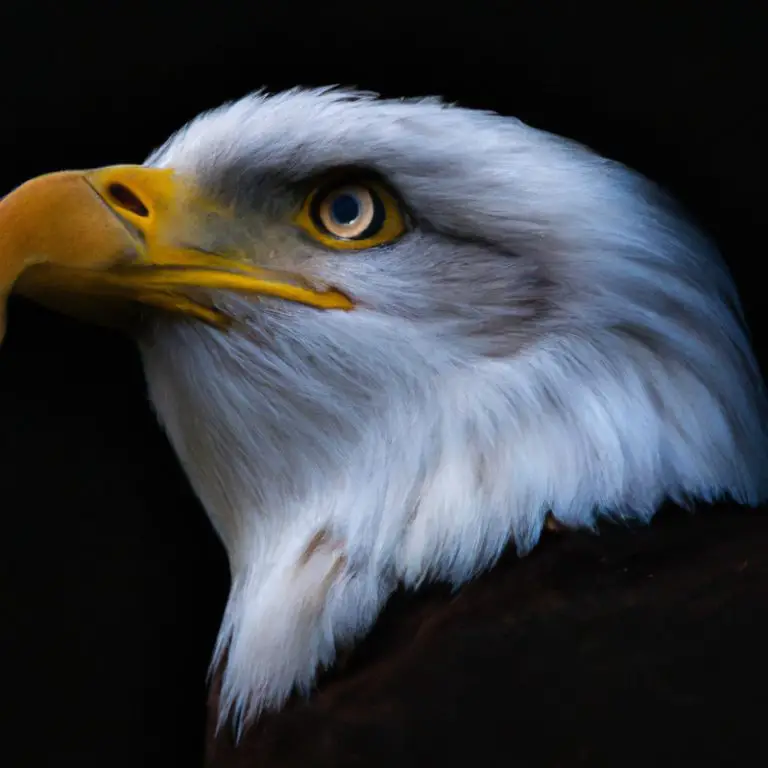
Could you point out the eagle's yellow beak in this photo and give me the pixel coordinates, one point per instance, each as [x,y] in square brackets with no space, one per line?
[142,234]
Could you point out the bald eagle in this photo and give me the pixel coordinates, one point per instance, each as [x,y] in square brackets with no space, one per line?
[389,339]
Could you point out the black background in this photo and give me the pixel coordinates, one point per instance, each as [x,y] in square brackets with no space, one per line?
[112,581]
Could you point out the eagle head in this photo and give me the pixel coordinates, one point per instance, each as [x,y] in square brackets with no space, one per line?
[442,326]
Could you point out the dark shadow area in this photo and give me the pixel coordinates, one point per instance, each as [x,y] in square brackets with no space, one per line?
[112,580]
[633,648]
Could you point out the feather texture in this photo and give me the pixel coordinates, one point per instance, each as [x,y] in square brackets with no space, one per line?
[552,335]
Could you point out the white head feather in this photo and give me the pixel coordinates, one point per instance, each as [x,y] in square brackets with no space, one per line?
[550,336]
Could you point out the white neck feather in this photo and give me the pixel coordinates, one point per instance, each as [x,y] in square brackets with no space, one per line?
[448,470]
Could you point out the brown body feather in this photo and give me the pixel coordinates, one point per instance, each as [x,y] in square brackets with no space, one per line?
[635,647]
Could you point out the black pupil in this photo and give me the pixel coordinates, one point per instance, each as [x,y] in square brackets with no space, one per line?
[345,208]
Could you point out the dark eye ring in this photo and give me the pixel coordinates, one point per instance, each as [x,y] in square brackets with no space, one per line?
[353,212]
[352,215]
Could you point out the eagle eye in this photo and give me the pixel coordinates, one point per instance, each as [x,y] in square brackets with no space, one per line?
[351,216]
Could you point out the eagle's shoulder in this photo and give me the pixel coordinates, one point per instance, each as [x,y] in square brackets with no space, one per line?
[656,627]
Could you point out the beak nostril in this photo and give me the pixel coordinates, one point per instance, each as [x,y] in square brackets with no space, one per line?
[127,199]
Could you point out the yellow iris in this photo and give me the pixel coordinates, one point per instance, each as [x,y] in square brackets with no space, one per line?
[352,216]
